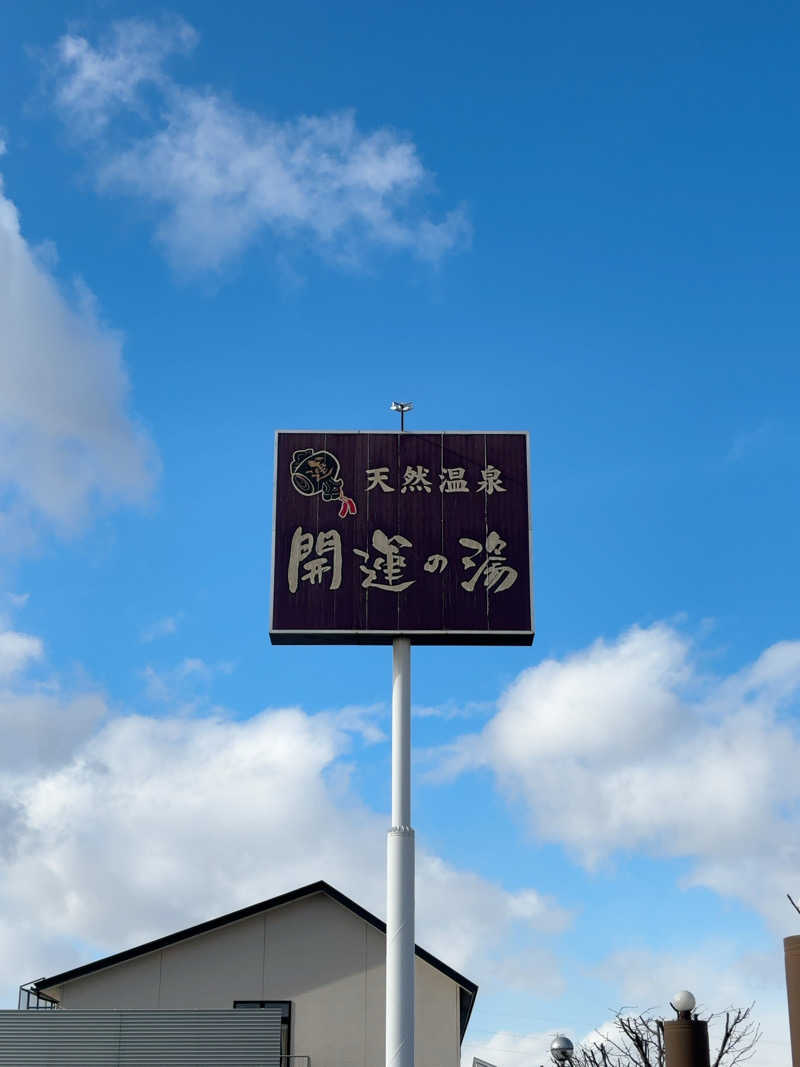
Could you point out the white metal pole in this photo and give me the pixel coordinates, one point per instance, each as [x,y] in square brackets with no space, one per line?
[400,872]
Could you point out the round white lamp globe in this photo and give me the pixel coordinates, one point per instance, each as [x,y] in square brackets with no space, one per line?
[683,1001]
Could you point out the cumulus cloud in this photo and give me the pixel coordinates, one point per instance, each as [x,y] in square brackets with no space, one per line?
[137,826]
[155,823]
[643,980]
[67,437]
[504,1048]
[628,745]
[17,650]
[721,976]
[40,723]
[40,728]
[224,175]
[716,971]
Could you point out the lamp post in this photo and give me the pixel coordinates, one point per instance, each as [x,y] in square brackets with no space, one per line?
[686,1038]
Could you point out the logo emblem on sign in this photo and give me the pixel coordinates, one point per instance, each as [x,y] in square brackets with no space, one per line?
[316,472]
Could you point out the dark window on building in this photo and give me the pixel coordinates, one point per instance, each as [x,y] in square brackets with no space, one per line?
[286,1017]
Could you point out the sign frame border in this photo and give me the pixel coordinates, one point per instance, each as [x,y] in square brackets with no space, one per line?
[417,637]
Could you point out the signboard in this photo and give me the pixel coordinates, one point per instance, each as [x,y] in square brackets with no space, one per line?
[420,535]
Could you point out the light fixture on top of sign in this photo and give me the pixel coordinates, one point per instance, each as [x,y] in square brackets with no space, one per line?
[402,406]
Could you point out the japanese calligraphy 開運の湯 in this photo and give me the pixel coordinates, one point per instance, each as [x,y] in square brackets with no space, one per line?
[385,565]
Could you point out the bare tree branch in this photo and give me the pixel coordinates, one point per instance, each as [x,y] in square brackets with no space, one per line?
[740,1036]
[638,1041]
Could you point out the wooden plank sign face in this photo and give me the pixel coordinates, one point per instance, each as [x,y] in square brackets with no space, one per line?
[420,535]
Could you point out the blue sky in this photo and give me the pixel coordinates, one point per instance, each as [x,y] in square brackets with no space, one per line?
[219,222]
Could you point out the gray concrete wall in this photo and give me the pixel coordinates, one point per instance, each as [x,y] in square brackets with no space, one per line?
[314,952]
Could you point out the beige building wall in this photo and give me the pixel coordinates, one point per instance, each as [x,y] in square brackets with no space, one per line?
[329,962]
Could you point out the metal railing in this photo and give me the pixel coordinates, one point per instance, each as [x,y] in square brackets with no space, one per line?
[30,999]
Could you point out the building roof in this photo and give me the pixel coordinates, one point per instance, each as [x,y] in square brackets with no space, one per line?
[468,989]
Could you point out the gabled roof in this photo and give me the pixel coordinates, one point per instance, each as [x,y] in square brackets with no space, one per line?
[468,989]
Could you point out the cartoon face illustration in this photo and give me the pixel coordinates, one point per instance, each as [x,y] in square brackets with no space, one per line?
[317,471]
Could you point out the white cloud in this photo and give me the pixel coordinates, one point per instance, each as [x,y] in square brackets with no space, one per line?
[104,81]
[720,975]
[363,721]
[471,921]
[17,650]
[66,434]
[40,729]
[508,1049]
[224,175]
[643,980]
[40,723]
[188,681]
[136,826]
[469,709]
[157,823]
[628,746]
[165,627]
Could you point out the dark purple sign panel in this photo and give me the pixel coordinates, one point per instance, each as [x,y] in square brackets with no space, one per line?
[415,534]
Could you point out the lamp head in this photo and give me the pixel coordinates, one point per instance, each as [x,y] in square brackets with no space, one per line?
[684,1003]
[561,1049]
